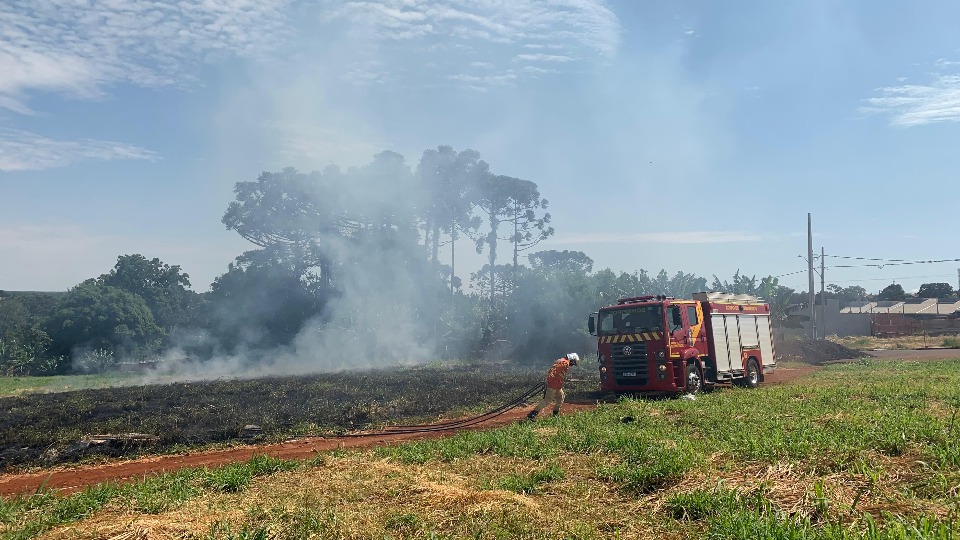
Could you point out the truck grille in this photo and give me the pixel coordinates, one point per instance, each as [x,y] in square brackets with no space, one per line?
[629,362]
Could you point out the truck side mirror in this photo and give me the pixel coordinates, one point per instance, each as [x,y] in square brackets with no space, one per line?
[592,324]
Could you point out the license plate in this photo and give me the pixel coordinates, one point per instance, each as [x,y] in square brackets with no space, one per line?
[629,373]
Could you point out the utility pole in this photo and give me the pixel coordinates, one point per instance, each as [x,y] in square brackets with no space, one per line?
[823,298]
[811,295]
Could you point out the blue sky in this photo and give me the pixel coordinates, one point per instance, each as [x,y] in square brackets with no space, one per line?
[691,136]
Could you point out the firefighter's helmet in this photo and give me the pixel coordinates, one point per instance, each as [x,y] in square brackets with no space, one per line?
[573,358]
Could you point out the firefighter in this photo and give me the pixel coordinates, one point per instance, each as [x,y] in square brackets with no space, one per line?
[554,390]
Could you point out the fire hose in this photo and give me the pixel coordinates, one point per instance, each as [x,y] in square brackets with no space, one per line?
[452,424]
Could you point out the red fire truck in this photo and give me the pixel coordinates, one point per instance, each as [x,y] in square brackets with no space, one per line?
[660,344]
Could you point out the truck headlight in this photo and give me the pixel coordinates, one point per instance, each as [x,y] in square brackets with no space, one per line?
[661,355]
[663,367]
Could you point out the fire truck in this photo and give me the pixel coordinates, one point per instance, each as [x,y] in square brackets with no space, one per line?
[659,344]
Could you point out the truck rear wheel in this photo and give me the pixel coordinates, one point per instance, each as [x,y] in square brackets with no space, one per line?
[693,379]
[751,377]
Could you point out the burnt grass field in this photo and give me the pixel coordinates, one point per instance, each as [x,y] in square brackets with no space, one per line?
[48,429]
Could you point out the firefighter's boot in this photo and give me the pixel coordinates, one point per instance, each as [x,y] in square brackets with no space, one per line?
[532,415]
[556,413]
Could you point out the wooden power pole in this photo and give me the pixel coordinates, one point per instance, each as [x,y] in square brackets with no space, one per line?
[811,296]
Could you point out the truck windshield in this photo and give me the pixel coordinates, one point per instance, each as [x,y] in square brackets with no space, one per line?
[631,320]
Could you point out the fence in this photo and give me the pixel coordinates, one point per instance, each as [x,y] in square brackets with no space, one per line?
[894,324]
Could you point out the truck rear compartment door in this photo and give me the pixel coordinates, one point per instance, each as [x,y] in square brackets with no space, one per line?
[766,341]
[726,341]
[748,332]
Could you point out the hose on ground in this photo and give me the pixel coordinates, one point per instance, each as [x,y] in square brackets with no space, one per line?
[485,416]
[445,426]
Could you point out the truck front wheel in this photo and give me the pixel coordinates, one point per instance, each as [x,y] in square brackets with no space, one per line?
[694,380]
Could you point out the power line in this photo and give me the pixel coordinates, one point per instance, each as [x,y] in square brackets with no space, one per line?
[790,273]
[890,278]
[885,262]
[890,262]
[880,266]
[837,281]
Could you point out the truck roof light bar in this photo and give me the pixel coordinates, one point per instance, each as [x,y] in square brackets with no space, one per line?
[647,298]
[726,297]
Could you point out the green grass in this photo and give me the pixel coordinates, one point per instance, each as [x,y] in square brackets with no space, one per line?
[27,516]
[842,411]
[529,483]
[852,420]
[728,514]
[951,342]
[13,386]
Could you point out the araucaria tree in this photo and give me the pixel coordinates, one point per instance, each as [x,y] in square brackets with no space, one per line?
[504,199]
[448,179]
[529,228]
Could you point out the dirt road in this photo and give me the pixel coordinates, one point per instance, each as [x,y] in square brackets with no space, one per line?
[916,354]
[72,479]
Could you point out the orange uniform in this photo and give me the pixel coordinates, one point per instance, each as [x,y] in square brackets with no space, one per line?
[554,390]
[557,373]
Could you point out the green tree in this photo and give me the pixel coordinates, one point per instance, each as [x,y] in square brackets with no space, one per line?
[24,344]
[845,295]
[263,299]
[324,217]
[163,287]
[935,290]
[740,285]
[25,350]
[683,285]
[571,260]
[610,286]
[94,316]
[893,292]
[13,314]
[547,316]
[304,213]
[779,298]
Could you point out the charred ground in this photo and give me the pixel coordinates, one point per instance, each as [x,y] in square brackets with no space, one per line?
[47,429]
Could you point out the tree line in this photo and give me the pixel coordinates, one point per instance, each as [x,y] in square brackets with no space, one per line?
[368,253]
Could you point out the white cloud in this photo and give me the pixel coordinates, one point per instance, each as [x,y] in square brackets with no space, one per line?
[488,33]
[688,237]
[487,80]
[917,104]
[81,48]
[544,58]
[25,151]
